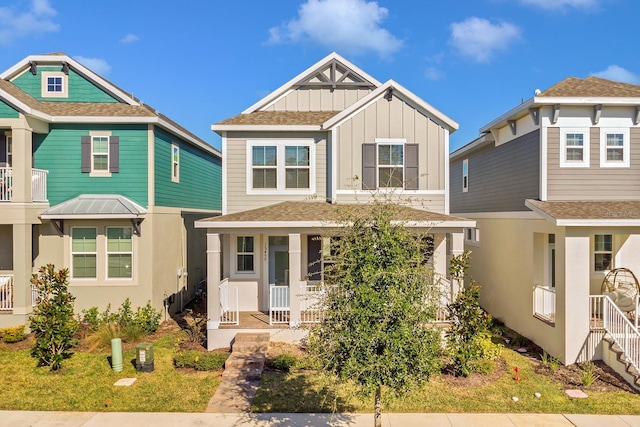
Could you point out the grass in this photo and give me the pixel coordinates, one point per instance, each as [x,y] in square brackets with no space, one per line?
[314,392]
[85,383]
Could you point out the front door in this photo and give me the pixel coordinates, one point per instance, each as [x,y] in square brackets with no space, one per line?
[278,261]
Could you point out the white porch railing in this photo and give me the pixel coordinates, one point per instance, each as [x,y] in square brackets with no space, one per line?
[605,315]
[229,312]
[6,178]
[34,295]
[38,184]
[310,312]
[279,305]
[6,293]
[544,303]
[446,294]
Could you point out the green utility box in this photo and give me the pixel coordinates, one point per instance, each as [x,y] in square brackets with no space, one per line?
[144,357]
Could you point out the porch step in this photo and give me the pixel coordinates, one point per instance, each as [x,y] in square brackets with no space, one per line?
[630,374]
[250,342]
[245,361]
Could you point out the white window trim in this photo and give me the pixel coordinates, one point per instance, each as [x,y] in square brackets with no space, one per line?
[100,134]
[564,163]
[465,174]
[626,149]
[175,177]
[390,141]
[475,236]
[72,253]
[280,174]
[594,252]
[9,146]
[65,85]
[236,252]
[107,253]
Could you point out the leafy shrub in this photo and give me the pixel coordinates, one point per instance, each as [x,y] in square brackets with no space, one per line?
[148,318]
[90,317]
[133,324]
[52,320]
[468,337]
[285,362]
[199,360]
[13,334]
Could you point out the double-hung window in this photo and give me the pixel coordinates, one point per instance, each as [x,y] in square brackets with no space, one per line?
[574,148]
[281,166]
[603,252]
[175,163]
[614,148]
[83,252]
[119,252]
[244,254]
[100,153]
[390,165]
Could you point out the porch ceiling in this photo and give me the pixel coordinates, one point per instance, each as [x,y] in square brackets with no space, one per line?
[322,214]
[588,213]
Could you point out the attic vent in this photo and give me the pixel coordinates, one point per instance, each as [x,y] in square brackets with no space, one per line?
[33,68]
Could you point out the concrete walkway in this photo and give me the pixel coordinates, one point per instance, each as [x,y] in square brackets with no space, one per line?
[154,419]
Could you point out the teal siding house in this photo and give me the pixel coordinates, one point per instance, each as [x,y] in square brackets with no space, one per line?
[94,180]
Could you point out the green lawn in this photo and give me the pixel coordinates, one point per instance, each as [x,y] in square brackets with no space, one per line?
[85,382]
[314,392]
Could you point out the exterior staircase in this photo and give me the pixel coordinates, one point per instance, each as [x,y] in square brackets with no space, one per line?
[241,375]
[614,356]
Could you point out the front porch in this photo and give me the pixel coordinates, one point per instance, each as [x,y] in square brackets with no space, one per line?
[260,262]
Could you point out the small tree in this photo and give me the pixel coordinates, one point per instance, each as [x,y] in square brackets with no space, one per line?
[379,301]
[52,320]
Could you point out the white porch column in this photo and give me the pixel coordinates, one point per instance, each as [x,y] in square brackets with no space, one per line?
[213,280]
[457,248]
[295,268]
[573,295]
[22,238]
[440,254]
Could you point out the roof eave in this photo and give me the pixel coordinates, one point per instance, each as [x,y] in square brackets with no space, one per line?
[92,216]
[268,128]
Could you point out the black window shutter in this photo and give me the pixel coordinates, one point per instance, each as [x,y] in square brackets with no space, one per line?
[114,154]
[314,245]
[85,143]
[411,173]
[369,167]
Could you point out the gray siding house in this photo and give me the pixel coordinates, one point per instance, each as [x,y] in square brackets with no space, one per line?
[554,185]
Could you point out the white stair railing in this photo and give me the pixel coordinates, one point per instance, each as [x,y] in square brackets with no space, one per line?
[606,315]
[229,313]
[279,306]
[6,293]
[544,303]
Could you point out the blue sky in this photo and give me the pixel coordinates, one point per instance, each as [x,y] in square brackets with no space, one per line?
[201,61]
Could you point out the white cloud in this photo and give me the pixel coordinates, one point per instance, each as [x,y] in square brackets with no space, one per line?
[432,73]
[619,74]
[479,39]
[349,26]
[97,65]
[560,4]
[129,38]
[37,19]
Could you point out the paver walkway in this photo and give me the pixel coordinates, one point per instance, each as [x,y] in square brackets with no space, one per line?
[241,375]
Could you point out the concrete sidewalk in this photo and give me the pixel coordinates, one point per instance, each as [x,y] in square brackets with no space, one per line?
[155,419]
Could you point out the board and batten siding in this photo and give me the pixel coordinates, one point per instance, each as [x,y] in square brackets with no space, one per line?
[59,152]
[393,119]
[316,99]
[500,178]
[594,182]
[79,88]
[200,183]
[236,157]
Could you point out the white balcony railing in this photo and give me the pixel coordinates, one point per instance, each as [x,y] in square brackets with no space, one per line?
[6,293]
[38,184]
[544,303]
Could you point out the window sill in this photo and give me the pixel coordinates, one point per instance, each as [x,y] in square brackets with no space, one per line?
[100,174]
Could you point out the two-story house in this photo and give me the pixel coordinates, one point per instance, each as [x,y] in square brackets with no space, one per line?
[554,185]
[94,180]
[331,136]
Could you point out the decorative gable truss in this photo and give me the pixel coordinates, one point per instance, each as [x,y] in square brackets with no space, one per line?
[334,75]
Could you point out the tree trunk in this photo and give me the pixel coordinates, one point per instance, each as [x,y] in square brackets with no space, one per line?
[377,417]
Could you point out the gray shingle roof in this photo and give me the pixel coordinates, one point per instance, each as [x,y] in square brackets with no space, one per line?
[589,210]
[592,87]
